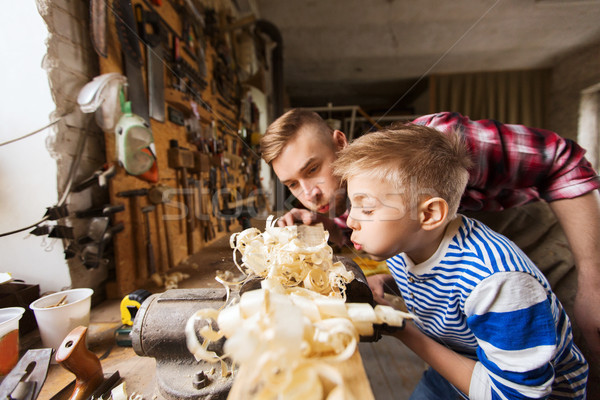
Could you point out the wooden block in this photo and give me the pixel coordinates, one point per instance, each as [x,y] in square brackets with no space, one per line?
[352,371]
[180,158]
[201,162]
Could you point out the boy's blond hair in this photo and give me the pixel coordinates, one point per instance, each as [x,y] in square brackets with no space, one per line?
[417,162]
[285,128]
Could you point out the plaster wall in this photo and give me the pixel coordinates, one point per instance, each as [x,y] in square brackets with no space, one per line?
[570,76]
[27,170]
[49,63]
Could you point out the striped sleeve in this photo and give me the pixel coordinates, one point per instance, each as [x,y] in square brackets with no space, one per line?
[510,314]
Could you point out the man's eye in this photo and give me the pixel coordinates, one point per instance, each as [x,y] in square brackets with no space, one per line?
[365,211]
[313,169]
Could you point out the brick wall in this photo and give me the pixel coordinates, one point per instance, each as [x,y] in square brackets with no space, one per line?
[572,74]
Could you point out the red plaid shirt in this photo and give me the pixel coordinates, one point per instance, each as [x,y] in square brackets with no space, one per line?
[514,164]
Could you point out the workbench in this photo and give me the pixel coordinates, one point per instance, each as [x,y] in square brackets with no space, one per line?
[139,372]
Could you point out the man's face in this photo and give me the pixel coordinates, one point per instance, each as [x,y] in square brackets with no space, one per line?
[381,223]
[304,166]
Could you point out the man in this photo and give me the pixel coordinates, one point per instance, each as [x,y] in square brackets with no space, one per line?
[514,165]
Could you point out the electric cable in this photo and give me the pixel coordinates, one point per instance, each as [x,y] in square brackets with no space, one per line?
[72,170]
[24,229]
[36,131]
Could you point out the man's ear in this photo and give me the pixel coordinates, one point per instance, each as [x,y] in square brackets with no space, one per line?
[433,213]
[339,140]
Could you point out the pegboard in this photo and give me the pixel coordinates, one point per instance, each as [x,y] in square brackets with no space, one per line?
[200,128]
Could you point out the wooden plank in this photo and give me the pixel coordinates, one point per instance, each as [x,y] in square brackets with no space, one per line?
[352,371]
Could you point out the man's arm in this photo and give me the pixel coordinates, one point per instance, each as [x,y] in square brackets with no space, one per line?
[580,219]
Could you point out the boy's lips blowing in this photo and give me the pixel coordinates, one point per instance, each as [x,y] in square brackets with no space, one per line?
[357,246]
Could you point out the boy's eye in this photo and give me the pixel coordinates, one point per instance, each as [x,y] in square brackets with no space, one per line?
[313,169]
[292,185]
[366,211]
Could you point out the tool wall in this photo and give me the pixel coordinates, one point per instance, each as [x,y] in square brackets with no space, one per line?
[186,172]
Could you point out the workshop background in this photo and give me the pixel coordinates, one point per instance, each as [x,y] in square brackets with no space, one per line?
[534,62]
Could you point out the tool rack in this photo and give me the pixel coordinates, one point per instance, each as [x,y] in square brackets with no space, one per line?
[226,167]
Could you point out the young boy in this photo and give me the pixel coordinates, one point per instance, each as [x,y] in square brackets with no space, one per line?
[488,323]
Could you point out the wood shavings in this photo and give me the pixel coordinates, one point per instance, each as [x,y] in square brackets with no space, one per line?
[291,256]
[284,335]
[169,281]
[119,392]
[63,301]
[290,330]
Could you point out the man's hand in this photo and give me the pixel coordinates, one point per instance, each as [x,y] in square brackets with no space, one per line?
[587,315]
[303,216]
[580,219]
[308,217]
[378,284]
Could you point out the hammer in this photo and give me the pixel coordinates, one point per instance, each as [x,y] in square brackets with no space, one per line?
[160,195]
[182,159]
[149,248]
[133,195]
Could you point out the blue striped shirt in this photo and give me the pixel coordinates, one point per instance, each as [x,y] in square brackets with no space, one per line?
[482,297]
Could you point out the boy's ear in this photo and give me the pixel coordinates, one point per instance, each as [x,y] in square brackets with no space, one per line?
[339,140]
[433,213]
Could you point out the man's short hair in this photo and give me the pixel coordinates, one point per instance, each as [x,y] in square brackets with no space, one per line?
[414,160]
[285,128]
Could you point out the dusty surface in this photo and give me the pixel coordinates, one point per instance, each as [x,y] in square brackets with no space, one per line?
[392,370]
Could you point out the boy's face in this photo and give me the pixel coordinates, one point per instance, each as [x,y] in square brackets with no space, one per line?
[304,166]
[381,223]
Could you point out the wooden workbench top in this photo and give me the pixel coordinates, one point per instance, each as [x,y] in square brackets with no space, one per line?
[388,365]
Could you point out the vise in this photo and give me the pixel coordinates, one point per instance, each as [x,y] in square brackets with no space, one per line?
[159,332]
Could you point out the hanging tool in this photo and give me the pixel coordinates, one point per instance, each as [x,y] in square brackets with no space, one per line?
[104,211]
[150,259]
[160,195]
[202,164]
[135,144]
[182,159]
[128,37]
[153,34]
[226,212]
[136,228]
[92,255]
[90,381]
[26,378]
[101,97]
[101,176]
[208,229]
[212,187]
[98,26]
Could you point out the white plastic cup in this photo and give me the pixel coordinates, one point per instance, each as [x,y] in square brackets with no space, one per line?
[9,338]
[55,323]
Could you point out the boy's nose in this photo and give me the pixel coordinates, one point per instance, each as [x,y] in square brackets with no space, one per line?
[352,223]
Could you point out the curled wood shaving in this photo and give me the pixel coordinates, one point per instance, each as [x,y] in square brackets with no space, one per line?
[298,321]
[280,255]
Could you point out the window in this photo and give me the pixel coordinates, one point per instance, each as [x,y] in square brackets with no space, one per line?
[588,130]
